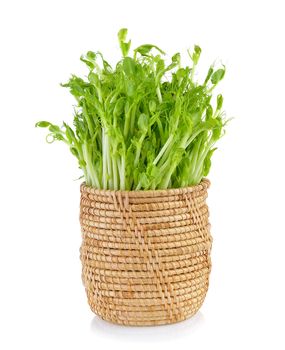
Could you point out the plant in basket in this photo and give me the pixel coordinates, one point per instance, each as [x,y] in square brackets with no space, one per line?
[143,134]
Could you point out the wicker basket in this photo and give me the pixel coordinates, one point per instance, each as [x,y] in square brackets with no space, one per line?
[145,254]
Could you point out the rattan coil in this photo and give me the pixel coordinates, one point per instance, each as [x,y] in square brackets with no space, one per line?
[145,254]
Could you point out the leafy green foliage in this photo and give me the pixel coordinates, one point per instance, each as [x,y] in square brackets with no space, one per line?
[145,124]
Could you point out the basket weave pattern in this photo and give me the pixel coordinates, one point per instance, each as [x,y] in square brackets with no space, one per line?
[145,254]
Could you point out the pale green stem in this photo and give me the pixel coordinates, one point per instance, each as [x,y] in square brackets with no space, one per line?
[90,171]
[163,149]
[115,174]
[122,173]
[158,93]
[138,150]
[104,160]
[109,163]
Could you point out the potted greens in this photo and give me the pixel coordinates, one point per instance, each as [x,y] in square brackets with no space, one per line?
[144,133]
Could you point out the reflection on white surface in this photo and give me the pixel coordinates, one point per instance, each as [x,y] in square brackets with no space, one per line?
[147,334]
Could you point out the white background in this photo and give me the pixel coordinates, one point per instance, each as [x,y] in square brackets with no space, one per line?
[42,300]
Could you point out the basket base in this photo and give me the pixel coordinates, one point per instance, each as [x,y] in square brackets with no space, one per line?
[124,320]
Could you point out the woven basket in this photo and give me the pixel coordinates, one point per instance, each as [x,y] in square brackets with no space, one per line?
[145,254]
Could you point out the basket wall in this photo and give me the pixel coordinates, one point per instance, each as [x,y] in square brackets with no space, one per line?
[145,254]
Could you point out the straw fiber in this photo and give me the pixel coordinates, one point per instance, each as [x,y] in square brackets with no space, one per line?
[145,254]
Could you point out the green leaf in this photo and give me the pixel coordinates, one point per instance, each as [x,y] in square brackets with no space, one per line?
[209,112]
[90,65]
[196,54]
[209,74]
[119,107]
[144,50]
[218,75]
[54,128]
[91,55]
[207,162]
[122,34]
[220,101]
[144,180]
[74,151]
[176,58]
[129,66]
[152,106]
[43,124]
[143,122]
[130,88]
[125,46]
[69,133]
[160,65]
[217,129]
[94,79]
[181,73]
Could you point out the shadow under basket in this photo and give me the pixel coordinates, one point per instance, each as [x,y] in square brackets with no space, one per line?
[145,254]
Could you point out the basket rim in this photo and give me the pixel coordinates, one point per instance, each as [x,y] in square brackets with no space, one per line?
[203,185]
